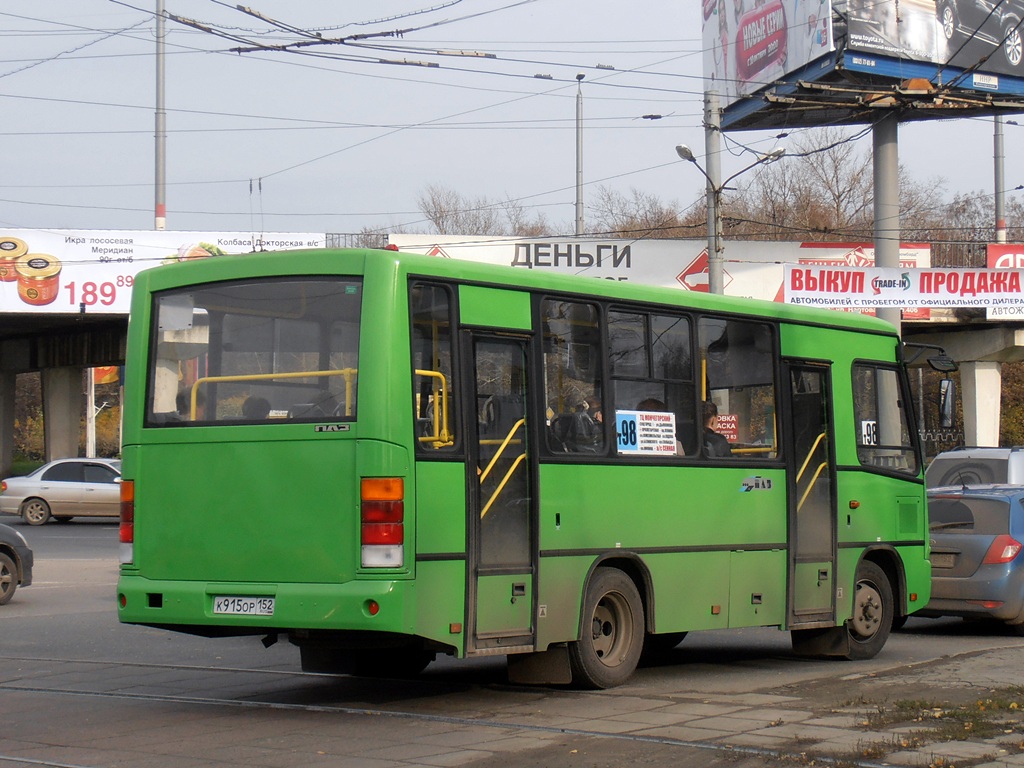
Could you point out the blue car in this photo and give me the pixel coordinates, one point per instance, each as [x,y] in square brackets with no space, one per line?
[15,563]
[977,534]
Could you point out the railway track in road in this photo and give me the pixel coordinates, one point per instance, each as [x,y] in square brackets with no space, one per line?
[286,691]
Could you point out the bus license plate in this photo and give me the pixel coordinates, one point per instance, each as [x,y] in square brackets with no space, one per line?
[244,606]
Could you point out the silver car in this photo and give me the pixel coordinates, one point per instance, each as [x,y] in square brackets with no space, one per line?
[977,537]
[64,489]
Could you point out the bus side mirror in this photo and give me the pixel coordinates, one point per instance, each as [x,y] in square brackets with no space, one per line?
[947,403]
[942,363]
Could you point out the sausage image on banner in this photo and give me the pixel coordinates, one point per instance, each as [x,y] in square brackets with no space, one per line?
[760,39]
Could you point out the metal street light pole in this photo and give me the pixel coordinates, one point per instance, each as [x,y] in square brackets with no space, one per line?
[579,153]
[716,251]
[160,178]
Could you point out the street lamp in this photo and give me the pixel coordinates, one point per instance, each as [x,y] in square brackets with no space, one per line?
[714,191]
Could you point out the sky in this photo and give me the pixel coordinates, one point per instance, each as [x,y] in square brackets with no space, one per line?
[339,138]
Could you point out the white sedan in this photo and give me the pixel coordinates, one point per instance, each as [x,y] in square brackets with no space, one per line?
[63,489]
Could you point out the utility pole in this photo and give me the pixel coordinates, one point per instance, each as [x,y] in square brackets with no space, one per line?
[1000,159]
[160,178]
[579,153]
[713,159]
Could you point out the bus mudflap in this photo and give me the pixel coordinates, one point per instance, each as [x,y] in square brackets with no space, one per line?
[550,667]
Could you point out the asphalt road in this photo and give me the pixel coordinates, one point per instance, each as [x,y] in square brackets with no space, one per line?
[79,689]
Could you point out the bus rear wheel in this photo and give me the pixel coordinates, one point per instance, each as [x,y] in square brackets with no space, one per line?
[872,612]
[612,636]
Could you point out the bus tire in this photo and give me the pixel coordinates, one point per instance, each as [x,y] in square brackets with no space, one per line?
[872,618]
[612,633]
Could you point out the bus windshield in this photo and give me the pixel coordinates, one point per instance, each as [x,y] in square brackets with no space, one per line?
[249,351]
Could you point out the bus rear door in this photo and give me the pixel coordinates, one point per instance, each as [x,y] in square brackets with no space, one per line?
[500,504]
[812,506]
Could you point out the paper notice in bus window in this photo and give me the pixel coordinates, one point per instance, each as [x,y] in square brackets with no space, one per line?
[646,432]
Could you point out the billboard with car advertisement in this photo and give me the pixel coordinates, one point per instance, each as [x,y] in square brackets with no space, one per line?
[752,269]
[748,44]
[976,34]
[92,271]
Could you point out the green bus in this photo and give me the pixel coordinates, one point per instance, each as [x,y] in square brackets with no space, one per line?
[384,457]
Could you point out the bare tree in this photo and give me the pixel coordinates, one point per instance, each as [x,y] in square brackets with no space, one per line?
[451,213]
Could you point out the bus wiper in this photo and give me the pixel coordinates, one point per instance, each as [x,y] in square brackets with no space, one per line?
[959,524]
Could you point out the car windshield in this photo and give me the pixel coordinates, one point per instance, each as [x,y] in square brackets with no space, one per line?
[966,514]
[278,349]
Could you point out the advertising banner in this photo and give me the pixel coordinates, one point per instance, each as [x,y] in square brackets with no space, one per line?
[966,34]
[88,270]
[752,269]
[839,288]
[748,44]
[1005,256]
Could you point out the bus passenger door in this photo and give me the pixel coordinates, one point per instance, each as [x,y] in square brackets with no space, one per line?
[500,499]
[812,505]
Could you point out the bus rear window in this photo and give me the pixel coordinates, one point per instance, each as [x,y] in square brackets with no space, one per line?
[277,349]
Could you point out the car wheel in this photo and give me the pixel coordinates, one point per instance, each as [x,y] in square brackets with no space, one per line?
[612,636]
[1013,45]
[947,17]
[872,612]
[8,579]
[35,511]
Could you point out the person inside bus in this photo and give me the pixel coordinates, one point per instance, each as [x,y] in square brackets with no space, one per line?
[654,404]
[715,444]
[183,402]
[586,431]
[255,407]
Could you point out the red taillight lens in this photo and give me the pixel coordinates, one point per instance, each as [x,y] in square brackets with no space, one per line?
[3,486]
[127,530]
[382,522]
[126,552]
[1003,549]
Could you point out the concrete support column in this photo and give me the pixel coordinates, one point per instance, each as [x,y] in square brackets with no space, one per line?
[62,411]
[981,385]
[7,389]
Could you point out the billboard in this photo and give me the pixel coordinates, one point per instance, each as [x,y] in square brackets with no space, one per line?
[950,33]
[752,269]
[92,271]
[749,44]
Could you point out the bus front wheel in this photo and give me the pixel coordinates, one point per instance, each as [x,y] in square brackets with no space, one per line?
[612,635]
[872,612]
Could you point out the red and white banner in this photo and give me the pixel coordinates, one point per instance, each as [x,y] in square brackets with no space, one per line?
[858,287]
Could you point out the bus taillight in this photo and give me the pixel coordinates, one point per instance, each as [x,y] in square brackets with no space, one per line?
[127,529]
[382,522]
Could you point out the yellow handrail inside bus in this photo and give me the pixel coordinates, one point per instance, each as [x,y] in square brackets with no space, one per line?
[810,485]
[810,453]
[441,436]
[501,485]
[501,449]
[348,373]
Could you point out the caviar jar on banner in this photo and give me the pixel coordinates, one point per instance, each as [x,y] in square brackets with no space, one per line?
[38,278]
[10,249]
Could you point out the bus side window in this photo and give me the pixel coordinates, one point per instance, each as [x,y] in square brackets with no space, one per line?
[572,375]
[652,375]
[737,363]
[434,411]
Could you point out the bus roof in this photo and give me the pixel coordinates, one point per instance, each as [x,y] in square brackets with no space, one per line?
[336,261]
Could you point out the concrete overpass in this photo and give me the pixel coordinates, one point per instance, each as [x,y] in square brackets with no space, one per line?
[59,346]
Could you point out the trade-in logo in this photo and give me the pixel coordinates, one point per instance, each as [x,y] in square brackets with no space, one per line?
[880,284]
[756,483]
